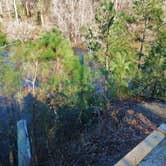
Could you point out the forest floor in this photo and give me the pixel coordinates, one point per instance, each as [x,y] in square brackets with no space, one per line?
[126,125]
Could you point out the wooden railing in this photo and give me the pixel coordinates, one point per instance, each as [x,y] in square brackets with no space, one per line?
[134,157]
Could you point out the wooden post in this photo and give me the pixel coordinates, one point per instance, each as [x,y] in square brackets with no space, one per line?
[24,152]
[144,148]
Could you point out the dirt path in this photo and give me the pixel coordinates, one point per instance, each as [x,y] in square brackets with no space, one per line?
[154,111]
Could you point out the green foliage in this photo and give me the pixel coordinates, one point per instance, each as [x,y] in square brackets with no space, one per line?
[3,39]
[149,17]
[153,78]
[56,61]
[113,49]
[9,78]
[123,59]
[105,17]
[150,78]
[54,45]
[76,89]
[129,18]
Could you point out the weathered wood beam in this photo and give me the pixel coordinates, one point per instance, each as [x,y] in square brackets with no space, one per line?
[24,152]
[144,148]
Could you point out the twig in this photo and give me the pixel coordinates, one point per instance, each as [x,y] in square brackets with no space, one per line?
[10,44]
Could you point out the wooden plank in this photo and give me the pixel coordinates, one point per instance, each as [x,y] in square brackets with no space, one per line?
[24,153]
[145,147]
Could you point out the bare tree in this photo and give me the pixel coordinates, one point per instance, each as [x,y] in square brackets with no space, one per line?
[1,11]
[31,74]
[15,11]
[121,4]
[71,15]
[7,5]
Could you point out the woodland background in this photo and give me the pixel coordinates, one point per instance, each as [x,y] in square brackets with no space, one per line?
[77,71]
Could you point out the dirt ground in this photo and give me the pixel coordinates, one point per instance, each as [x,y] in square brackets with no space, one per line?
[126,125]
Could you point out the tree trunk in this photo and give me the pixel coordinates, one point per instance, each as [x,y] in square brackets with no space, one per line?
[41,18]
[27,9]
[34,77]
[107,103]
[142,41]
[16,11]
[8,8]
[1,11]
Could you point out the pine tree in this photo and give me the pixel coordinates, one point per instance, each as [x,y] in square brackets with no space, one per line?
[49,60]
[148,16]
[10,78]
[112,42]
[154,70]
[149,19]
